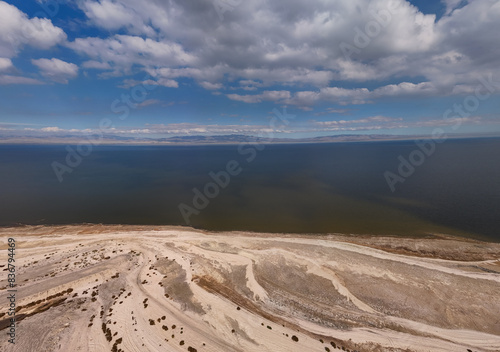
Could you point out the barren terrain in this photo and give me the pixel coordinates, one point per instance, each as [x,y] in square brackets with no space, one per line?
[131,288]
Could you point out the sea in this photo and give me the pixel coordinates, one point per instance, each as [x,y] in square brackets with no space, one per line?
[359,188]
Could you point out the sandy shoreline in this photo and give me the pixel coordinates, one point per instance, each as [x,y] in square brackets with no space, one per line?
[147,288]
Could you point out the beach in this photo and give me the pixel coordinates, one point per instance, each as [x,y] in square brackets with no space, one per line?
[150,288]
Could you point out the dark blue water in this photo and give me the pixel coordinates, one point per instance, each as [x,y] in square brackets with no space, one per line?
[315,188]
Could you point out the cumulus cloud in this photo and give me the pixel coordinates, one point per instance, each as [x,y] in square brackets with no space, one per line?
[5,64]
[51,129]
[113,15]
[17,30]
[211,86]
[109,15]
[129,83]
[453,4]
[356,96]
[298,44]
[274,95]
[56,70]
[123,51]
[8,79]
[92,64]
[405,88]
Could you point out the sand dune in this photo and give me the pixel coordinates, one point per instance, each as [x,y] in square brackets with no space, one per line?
[125,288]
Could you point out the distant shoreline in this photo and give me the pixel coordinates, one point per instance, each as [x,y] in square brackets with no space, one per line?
[105,228]
[235,140]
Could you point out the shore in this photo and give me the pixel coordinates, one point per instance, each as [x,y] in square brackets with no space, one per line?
[145,288]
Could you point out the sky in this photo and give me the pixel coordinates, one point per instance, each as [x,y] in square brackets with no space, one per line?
[162,68]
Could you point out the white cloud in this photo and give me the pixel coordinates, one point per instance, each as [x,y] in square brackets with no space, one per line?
[406,88]
[113,15]
[372,123]
[92,64]
[369,123]
[298,44]
[197,129]
[452,5]
[344,96]
[170,83]
[140,131]
[371,119]
[123,51]
[211,86]
[8,79]
[17,30]
[274,95]
[384,122]
[51,129]
[56,70]
[149,102]
[107,14]
[329,111]
[5,64]
[337,95]
[251,99]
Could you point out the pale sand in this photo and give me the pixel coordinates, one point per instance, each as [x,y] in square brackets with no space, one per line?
[361,293]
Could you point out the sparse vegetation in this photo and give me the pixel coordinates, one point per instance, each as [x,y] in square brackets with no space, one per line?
[243,300]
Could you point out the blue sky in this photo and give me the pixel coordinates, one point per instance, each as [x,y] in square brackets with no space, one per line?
[166,68]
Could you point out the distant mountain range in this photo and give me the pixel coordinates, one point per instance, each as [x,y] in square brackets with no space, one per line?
[221,139]
[230,139]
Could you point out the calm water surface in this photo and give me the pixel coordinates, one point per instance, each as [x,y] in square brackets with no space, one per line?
[313,188]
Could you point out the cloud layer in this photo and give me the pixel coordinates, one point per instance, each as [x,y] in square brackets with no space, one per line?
[17,31]
[316,55]
[56,70]
[315,44]
[154,131]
